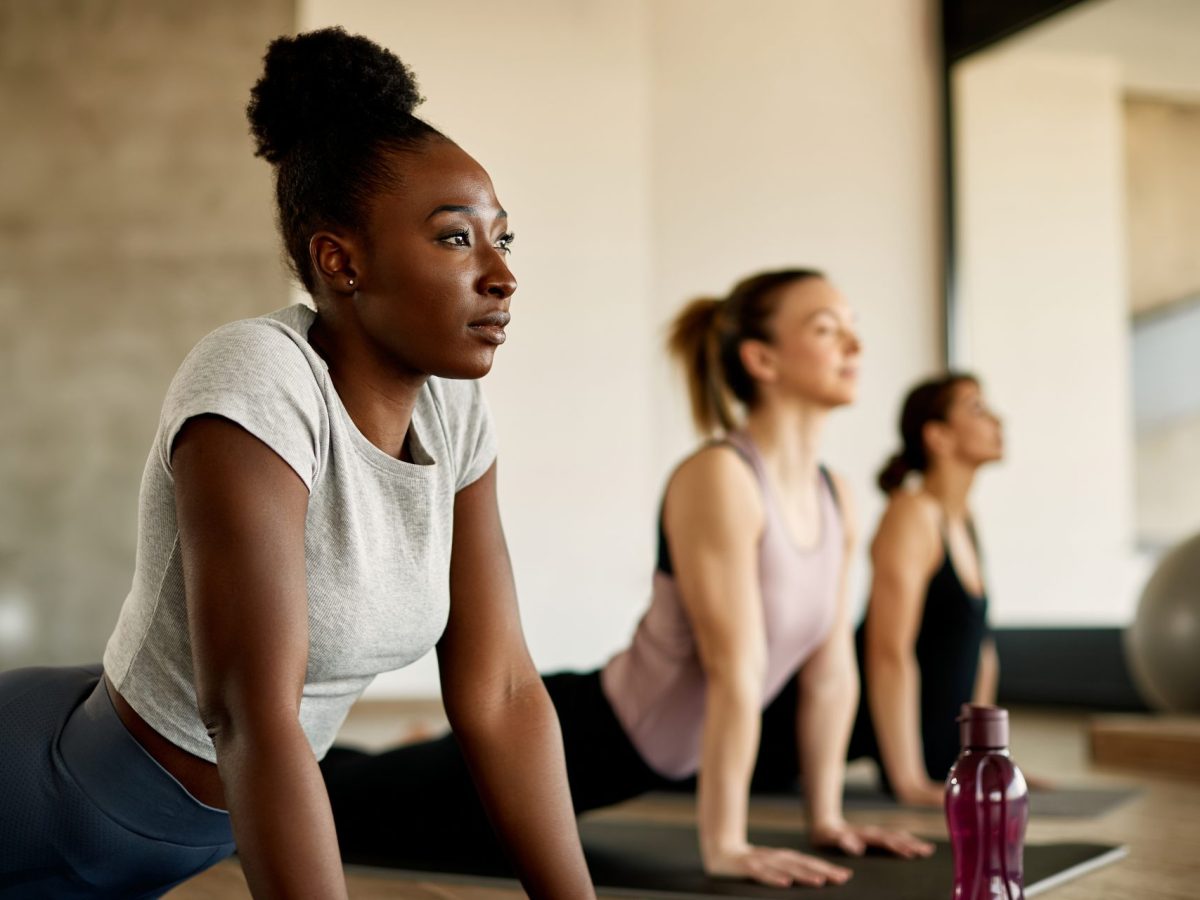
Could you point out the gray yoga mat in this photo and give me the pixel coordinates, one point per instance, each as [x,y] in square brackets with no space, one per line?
[655,860]
[1064,803]
[1060,803]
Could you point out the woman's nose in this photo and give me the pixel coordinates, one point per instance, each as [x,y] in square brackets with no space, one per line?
[499,280]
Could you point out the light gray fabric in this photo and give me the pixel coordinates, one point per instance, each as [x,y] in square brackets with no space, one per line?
[377,535]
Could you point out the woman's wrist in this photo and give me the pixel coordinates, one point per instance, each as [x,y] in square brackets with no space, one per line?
[826,822]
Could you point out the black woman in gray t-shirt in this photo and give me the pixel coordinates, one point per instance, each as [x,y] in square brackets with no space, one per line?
[319,506]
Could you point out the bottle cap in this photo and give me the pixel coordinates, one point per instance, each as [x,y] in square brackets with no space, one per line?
[983,727]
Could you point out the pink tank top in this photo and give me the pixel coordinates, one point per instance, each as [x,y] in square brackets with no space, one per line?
[656,686]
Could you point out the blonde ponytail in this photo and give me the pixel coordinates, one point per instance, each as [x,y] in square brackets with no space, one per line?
[695,342]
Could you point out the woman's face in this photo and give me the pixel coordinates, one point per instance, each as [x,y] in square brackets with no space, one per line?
[816,348]
[435,288]
[977,435]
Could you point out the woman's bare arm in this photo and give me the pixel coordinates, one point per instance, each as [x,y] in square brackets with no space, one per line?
[987,678]
[499,709]
[241,514]
[714,518]
[905,555]
[828,696]
[828,699]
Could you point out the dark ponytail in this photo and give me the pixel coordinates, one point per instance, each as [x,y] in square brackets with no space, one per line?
[706,338]
[927,402]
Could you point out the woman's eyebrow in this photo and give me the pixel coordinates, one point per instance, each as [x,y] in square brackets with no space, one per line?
[458,208]
[824,310]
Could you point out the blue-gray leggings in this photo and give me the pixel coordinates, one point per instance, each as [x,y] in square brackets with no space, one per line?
[84,810]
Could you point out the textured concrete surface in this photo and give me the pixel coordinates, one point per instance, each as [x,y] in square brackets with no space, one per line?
[133,220]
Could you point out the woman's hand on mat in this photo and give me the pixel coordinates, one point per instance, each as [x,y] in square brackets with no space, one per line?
[775,866]
[927,793]
[855,839]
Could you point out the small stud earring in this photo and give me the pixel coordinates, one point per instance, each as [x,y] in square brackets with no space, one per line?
[350,282]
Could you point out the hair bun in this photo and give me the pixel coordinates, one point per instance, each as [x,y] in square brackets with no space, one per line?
[326,82]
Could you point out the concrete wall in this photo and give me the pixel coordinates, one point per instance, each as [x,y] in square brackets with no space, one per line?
[133,219]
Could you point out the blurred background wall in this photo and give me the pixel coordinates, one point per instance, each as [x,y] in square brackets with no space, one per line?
[133,220]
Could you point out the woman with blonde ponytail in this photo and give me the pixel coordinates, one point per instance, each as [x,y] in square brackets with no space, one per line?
[748,595]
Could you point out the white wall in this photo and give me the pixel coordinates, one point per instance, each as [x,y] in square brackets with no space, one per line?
[649,151]
[1045,323]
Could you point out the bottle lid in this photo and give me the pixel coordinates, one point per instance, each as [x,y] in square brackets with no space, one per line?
[983,727]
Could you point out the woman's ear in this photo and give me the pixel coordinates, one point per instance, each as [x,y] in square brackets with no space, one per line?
[335,262]
[938,439]
[759,360]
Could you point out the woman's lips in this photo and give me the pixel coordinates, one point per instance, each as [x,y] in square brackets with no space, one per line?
[491,326]
[493,333]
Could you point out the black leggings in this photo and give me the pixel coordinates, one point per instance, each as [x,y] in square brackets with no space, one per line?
[417,803]
[778,762]
[778,766]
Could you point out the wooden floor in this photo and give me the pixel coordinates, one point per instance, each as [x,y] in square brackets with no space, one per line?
[1161,827]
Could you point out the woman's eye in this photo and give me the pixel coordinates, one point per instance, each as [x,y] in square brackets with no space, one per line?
[504,242]
[458,239]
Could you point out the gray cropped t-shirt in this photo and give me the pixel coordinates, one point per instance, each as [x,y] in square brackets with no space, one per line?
[377,536]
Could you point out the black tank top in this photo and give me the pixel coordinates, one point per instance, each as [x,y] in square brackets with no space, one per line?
[953,627]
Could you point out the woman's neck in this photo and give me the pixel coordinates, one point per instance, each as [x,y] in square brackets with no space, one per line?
[379,399]
[950,484]
[788,439]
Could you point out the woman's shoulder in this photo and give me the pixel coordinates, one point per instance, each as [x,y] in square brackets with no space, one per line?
[257,341]
[718,478]
[262,375]
[462,415]
[911,519]
[716,461]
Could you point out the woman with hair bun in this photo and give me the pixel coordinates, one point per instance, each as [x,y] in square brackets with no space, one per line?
[923,645]
[748,594]
[319,506]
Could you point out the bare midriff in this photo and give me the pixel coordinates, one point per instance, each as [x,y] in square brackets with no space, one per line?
[199,777]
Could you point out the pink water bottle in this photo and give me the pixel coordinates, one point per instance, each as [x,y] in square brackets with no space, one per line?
[987,806]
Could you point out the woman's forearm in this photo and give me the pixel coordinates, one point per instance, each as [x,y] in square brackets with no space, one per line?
[987,678]
[823,723]
[515,752]
[280,812]
[729,744]
[892,692]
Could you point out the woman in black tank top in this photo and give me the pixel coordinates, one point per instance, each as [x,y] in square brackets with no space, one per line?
[923,647]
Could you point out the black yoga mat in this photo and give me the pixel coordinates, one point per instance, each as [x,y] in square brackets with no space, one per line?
[1059,803]
[654,860]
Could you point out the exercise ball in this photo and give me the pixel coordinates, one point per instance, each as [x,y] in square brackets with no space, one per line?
[1163,643]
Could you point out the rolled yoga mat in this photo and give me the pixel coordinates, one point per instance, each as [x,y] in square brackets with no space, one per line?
[643,859]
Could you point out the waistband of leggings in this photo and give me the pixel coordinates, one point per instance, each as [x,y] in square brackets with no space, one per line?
[128,784]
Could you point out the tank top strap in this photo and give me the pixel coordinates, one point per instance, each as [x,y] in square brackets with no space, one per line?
[827,477]
[741,445]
